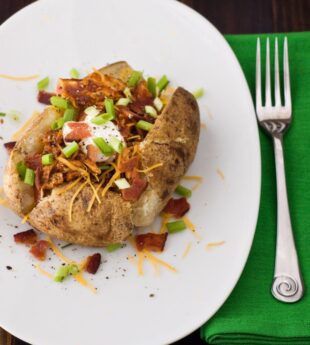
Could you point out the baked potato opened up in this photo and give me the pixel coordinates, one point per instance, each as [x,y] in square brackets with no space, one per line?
[104,157]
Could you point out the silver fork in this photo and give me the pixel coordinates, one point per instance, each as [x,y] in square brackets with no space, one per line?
[287,283]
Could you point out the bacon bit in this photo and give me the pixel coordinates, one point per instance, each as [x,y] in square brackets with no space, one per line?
[52,141]
[28,237]
[80,130]
[142,94]
[129,165]
[92,166]
[134,192]
[9,146]
[151,241]
[55,180]
[92,152]
[44,97]
[93,263]
[177,207]
[39,249]
[38,185]
[72,175]
[34,162]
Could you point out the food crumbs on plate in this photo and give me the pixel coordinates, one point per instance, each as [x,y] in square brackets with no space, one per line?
[211,245]
[197,178]
[151,295]
[19,78]
[220,173]
[203,125]
[9,268]
[210,115]
[187,249]
[1,121]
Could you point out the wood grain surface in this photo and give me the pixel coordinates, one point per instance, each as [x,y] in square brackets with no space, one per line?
[230,17]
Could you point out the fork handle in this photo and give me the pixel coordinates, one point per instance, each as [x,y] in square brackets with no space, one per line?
[287,282]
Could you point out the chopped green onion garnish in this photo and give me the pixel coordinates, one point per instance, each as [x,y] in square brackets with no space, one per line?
[58,124]
[151,85]
[59,102]
[74,73]
[103,146]
[73,269]
[29,177]
[62,273]
[198,93]
[21,169]
[162,83]
[127,93]
[2,114]
[14,115]
[183,191]
[69,114]
[134,78]
[158,104]
[91,111]
[176,226]
[109,107]
[104,167]
[146,126]
[122,183]
[150,111]
[116,145]
[123,101]
[70,149]
[42,84]
[47,159]
[112,247]
[102,119]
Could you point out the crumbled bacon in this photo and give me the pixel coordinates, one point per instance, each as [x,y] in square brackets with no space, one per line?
[92,166]
[72,175]
[79,131]
[92,152]
[46,172]
[142,94]
[9,146]
[151,241]
[34,162]
[177,207]
[39,249]
[93,263]
[44,97]
[129,164]
[134,192]
[52,142]
[55,180]
[28,237]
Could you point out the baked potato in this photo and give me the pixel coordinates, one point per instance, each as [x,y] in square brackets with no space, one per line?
[74,198]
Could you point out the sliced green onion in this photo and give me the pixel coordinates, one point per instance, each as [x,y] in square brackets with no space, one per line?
[74,73]
[123,101]
[150,111]
[42,84]
[198,93]
[102,119]
[92,111]
[127,93]
[2,114]
[21,169]
[151,85]
[103,146]
[29,177]
[59,102]
[112,247]
[162,83]
[183,191]
[62,273]
[116,145]
[73,269]
[70,149]
[134,78]
[109,106]
[69,114]
[47,159]
[158,104]
[122,183]
[104,167]
[146,126]
[14,115]
[176,226]
[58,124]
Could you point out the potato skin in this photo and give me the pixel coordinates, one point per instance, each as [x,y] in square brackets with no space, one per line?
[172,141]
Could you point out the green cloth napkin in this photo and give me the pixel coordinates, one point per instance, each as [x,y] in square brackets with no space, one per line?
[251,315]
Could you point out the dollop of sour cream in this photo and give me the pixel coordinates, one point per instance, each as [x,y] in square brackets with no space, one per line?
[106,131]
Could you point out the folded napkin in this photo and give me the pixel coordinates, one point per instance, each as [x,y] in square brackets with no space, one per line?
[251,315]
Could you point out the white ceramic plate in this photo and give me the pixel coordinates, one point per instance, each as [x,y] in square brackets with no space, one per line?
[158,36]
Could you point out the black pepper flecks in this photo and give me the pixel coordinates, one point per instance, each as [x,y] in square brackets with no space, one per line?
[8,268]
[151,295]
[107,277]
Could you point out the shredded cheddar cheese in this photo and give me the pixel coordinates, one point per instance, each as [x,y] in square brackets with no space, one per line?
[187,249]
[220,173]
[132,260]
[43,272]
[18,134]
[155,166]
[4,202]
[94,190]
[198,180]
[214,244]
[25,219]
[81,280]
[159,261]
[72,166]
[203,125]
[58,253]
[19,78]
[73,198]
[141,258]
[191,227]
[164,220]
[110,183]
[69,186]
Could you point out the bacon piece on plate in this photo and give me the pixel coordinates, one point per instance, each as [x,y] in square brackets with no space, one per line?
[79,131]
[34,162]
[92,152]
[129,164]
[177,207]
[93,263]
[9,146]
[44,97]
[28,237]
[137,188]
[39,249]
[152,242]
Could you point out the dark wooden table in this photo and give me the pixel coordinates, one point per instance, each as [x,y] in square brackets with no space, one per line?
[230,17]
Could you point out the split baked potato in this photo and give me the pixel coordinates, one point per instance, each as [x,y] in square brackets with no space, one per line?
[63,200]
